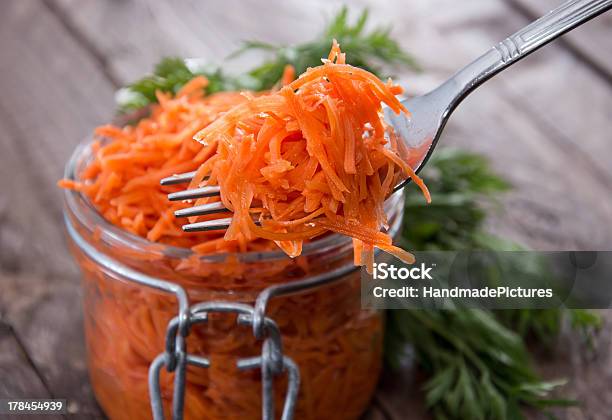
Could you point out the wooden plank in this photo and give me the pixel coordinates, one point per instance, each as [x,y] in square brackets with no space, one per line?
[186,28]
[47,315]
[50,101]
[18,377]
[587,370]
[591,43]
[519,120]
[53,94]
[537,90]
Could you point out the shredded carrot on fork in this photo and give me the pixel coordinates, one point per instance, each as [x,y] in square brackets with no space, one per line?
[327,128]
[314,156]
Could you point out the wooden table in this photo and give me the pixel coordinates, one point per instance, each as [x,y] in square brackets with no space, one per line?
[546,125]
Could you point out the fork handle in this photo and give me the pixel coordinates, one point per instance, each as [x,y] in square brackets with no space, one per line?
[555,23]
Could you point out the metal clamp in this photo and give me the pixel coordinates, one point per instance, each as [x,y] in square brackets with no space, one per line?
[271,362]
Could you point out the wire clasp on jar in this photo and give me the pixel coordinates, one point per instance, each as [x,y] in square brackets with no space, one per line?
[271,362]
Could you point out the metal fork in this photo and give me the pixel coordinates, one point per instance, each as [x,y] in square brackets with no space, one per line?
[429,113]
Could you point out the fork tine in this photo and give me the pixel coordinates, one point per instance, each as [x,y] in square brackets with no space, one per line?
[178,178]
[217,224]
[209,208]
[210,191]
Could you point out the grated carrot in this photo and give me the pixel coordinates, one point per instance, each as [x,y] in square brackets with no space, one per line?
[313,156]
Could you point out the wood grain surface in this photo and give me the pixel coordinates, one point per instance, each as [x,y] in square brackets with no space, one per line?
[591,43]
[545,124]
[19,376]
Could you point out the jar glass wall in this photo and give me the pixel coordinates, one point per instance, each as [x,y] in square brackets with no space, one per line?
[335,343]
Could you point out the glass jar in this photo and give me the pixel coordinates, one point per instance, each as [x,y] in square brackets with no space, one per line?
[336,345]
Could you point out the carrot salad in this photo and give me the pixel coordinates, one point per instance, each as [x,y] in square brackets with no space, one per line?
[311,157]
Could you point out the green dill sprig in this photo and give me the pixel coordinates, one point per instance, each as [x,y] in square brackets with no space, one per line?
[170,75]
[458,182]
[478,368]
[370,50]
[478,362]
